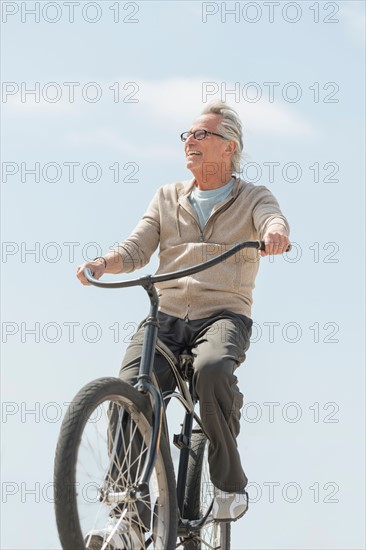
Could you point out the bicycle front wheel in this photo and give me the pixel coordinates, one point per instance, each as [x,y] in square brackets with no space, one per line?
[198,498]
[100,456]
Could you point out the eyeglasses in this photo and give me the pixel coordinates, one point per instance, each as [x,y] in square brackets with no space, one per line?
[198,134]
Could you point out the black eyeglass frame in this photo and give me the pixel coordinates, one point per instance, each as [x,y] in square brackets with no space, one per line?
[206,133]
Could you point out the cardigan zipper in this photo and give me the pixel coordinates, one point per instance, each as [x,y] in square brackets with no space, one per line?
[201,239]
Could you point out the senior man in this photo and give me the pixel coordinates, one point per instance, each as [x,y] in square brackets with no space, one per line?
[208,313]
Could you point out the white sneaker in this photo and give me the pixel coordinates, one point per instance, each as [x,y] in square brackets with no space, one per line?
[116,535]
[229,506]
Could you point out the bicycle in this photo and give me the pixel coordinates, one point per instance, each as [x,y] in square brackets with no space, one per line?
[113,451]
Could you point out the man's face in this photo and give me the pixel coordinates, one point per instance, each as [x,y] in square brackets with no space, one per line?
[211,149]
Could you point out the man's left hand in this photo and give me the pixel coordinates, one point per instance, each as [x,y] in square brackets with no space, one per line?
[276,243]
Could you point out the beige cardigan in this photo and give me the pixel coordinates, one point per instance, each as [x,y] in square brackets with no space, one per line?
[171,222]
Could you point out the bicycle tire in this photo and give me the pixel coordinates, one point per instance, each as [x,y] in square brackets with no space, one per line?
[71,501]
[198,497]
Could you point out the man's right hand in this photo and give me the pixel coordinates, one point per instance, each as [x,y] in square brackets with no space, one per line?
[97,267]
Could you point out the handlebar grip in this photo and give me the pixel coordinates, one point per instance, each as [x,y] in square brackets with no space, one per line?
[263,247]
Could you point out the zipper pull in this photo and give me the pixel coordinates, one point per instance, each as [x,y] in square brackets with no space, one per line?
[186,318]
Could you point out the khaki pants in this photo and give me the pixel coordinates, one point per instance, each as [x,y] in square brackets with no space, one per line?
[218,345]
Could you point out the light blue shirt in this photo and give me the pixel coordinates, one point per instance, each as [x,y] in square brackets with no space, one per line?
[204,201]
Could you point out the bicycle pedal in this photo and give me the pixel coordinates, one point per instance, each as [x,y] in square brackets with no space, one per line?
[181,441]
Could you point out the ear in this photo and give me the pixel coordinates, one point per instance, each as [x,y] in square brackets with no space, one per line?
[230,147]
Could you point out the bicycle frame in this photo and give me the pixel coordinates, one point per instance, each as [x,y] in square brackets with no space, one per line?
[146,386]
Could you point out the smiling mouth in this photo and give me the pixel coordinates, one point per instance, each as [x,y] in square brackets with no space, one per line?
[193,153]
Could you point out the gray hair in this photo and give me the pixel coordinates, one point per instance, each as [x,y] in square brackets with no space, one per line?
[230,127]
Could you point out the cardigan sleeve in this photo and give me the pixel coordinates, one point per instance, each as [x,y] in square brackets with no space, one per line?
[138,248]
[267,215]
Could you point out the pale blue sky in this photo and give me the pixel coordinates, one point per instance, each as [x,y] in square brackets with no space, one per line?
[163,60]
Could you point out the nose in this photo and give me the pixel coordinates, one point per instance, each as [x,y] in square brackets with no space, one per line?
[190,136]
[188,142]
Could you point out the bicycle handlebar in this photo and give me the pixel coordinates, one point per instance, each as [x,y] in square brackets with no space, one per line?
[151,279]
